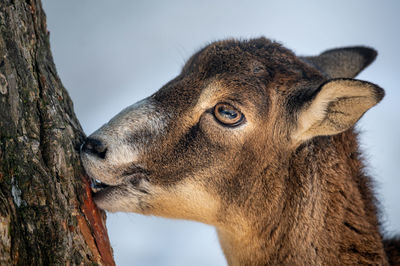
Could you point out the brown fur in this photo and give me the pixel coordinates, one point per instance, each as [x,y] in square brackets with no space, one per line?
[285,187]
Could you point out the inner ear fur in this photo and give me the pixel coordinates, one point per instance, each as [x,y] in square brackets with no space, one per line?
[344,62]
[337,106]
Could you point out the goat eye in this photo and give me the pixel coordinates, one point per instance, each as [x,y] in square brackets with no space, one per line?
[228,115]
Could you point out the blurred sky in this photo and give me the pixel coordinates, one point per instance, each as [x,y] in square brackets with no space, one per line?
[110,54]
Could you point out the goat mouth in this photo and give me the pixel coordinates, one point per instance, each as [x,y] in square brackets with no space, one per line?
[132,176]
[134,180]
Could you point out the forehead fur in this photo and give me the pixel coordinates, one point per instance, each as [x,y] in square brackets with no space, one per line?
[232,56]
[237,63]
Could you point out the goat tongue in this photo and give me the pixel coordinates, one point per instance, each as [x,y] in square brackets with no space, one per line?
[97,185]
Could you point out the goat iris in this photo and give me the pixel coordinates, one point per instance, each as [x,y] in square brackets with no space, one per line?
[227,114]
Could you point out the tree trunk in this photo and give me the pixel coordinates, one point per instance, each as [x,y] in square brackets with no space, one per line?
[47,216]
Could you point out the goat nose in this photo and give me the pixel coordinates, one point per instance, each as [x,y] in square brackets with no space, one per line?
[94,147]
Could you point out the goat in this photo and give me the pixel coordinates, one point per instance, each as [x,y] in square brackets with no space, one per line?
[257,142]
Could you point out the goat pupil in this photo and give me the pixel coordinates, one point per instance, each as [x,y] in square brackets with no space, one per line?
[230,114]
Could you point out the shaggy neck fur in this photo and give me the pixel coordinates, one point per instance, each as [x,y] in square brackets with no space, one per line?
[325,214]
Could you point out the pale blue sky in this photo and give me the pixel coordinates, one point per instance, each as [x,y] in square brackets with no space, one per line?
[110,54]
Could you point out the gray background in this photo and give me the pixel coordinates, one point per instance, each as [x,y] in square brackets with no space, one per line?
[110,54]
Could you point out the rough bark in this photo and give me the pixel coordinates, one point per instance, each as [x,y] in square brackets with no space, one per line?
[47,216]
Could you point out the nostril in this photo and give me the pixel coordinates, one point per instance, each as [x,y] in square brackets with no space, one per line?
[95,147]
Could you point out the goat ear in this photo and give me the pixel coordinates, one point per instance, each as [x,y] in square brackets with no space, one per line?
[335,107]
[342,62]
